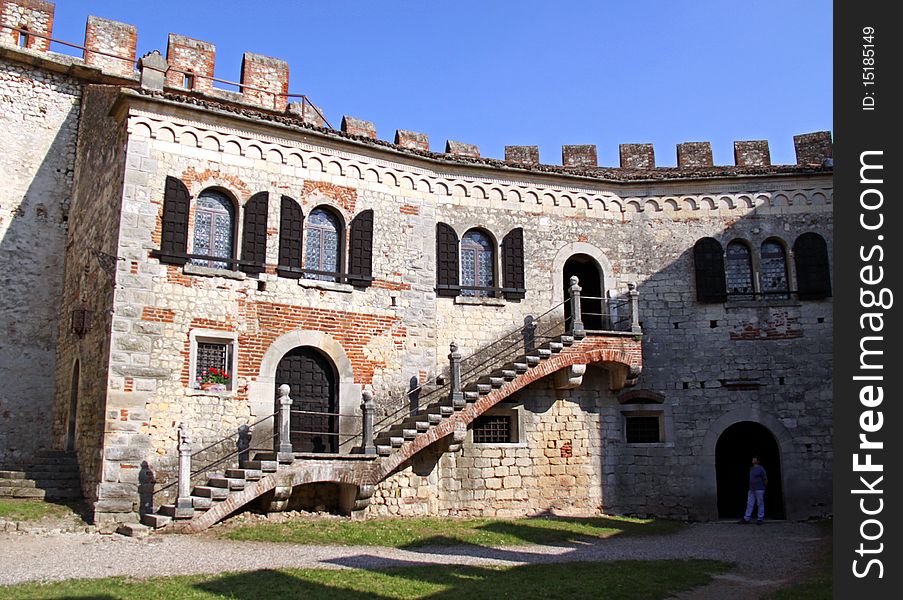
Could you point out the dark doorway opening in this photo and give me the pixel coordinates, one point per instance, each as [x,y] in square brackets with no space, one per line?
[733,459]
[72,418]
[592,305]
[315,391]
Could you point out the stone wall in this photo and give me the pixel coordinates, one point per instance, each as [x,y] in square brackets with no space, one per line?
[92,265]
[38,129]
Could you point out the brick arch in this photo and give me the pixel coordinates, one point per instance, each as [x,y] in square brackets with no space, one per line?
[581,353]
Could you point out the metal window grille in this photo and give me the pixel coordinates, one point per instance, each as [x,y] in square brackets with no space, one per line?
[492,430]
[212,355]
[643,430]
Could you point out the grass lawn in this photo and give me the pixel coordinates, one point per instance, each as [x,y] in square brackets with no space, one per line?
[621,580]
[31,510]
[405,533]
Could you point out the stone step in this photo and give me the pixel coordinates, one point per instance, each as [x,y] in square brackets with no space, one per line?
[384,450]
[208,491]
[567,340]
[555,347]
[155,520]
[506,374]
[434,418]
[446,411]
[471,396]
[483,388]
[169,510]
[532,360]
[268,456]
[22,492]
[496,382]
[17,483]
[133,530]
[408,434]
[422,426]
[543,353]
[229,483]
[266,466]
[12,474]
[248,474]
[520,366]
[396,442]
[201,503]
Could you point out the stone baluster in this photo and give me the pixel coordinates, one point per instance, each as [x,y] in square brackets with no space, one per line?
[634,296]
[577,329]
[368,410]
[454,364]
[184,504]
[285,454]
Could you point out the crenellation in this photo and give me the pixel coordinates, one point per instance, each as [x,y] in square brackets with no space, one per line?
[579,156]
[462,149]
[32,16]
[191,64]
[752,154]
[637,156]
[813,148]
[110,37]
[354,126]
[412,140]
[694,154]
[264,81]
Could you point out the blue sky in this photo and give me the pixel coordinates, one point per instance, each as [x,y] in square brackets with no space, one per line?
[529,72]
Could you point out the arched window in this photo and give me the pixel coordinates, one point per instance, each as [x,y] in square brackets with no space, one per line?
[738,270]
[322,245]
[774,270]
[813,273]
[477,264]
[214,229]
[708,260]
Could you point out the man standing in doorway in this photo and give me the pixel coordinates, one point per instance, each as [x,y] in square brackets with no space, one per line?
[758,481]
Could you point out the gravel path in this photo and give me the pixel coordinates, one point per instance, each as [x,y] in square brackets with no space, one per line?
[766,556]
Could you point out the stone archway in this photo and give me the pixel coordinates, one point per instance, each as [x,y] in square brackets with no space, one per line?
[589,274]
[72,416]
[733,453]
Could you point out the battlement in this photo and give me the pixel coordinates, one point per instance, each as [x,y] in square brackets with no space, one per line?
[189,66]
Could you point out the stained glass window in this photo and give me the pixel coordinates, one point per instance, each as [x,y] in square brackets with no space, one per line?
[738,270]
[213,229]
[477,264]
[774,270]
[322,245]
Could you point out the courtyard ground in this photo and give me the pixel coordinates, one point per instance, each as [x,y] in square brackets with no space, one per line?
[764,559]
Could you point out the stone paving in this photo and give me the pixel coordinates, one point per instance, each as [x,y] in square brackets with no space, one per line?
[766,557]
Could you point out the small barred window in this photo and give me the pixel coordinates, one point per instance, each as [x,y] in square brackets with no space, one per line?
[213,365]
[493,429]
[643,429]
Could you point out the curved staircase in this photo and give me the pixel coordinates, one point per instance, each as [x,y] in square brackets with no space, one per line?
[443,412]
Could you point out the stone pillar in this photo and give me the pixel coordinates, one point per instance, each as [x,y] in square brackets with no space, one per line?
[184,505]
[634,296]
[285,454]
[368,410]
[577,329]
[454,364]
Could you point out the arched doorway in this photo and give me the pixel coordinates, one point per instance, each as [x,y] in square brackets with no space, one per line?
[733,458]
[314,383]
[72,418]
[592,291]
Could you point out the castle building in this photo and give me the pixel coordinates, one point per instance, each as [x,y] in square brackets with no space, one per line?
[459,335]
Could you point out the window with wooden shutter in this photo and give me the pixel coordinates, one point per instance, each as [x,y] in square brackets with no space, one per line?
[513,264]
[174,238]
[813,272]
[360,251]
[708,258]
[291,226]
[446,261]
[254,234]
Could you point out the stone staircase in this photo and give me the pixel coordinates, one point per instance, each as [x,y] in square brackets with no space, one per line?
[46,476]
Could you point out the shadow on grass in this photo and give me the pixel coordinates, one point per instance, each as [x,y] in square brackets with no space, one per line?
[622,580]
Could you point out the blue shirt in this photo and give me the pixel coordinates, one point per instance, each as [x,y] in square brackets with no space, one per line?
[757,478]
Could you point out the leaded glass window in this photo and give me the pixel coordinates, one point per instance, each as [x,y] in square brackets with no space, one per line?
[774,270]
[213,229]
[322,245]
[477,264]
[738,270]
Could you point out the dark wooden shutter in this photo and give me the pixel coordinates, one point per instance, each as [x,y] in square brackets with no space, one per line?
[174,238]
[254,234]
[291,226]
[446,261]
[513,264]
[708,257]
[360,249]
[813,273]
